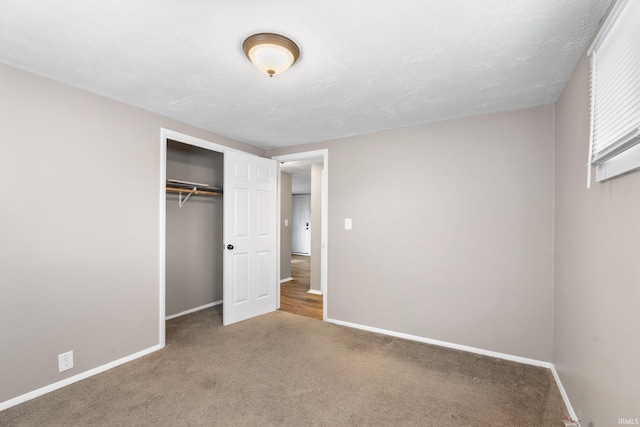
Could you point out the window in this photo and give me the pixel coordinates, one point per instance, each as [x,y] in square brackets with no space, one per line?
[615,93]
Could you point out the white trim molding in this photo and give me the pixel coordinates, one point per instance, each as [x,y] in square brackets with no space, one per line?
[288,279]
[193,310]
[315,292]
[162,239]
[197,142]
[469,349]
[68,381]
[324,267]
[565,396]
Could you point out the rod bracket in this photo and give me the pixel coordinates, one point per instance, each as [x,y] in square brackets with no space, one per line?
[181,201]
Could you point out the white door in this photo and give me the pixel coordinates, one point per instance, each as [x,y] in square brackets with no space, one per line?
[250,223]
[300,218]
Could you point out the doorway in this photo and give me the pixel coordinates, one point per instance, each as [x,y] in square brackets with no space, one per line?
[250,272]
[300,165]
[193,229]
[167,135]
[300,222]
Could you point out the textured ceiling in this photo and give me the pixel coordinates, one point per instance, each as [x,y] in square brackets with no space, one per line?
[365,66]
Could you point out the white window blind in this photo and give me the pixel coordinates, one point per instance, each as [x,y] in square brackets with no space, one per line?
[615,93]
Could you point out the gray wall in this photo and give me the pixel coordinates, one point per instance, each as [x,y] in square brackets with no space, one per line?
[452,238]
[80,229]
[194,231]
[597,273]
[316,227]
[452,231]
[285,231]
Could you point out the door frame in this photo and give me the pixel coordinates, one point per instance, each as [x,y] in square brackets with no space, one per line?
[165,135]
[324,232]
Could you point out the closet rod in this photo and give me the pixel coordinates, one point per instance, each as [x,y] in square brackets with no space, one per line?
[200,191]
[175,186]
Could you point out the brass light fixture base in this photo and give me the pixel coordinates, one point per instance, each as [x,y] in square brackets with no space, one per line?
[283,52]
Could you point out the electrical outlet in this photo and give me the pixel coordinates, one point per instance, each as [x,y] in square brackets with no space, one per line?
[65,361]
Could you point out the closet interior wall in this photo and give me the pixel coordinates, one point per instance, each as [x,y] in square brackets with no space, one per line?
[194,231]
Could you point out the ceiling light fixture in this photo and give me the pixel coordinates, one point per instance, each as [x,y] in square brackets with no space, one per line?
[271,53]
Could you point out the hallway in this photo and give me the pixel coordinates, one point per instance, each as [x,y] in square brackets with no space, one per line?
[294,297]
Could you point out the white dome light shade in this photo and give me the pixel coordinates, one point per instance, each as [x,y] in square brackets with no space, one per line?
[271,53]
[270,58]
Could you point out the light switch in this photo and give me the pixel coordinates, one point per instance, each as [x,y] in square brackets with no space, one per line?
[347,223]
[286,222]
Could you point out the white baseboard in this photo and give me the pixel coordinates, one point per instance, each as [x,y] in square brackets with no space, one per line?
[484,352]
[55,386]
[67,381]
[288,279]
[193,310]
[313,291]
[564,395]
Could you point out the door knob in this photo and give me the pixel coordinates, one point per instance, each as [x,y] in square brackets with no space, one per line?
[230,247]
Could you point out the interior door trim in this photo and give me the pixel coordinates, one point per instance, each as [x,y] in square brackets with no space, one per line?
[324,232]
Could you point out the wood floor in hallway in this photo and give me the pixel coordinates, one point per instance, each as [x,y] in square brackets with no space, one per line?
[294,297]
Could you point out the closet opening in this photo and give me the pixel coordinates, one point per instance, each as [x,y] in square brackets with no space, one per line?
[194,229]
[191,207]
[216,244]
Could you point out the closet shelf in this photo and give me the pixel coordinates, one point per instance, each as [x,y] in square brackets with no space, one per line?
[190,189]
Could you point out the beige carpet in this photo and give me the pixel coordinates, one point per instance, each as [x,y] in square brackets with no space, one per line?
[283,369]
